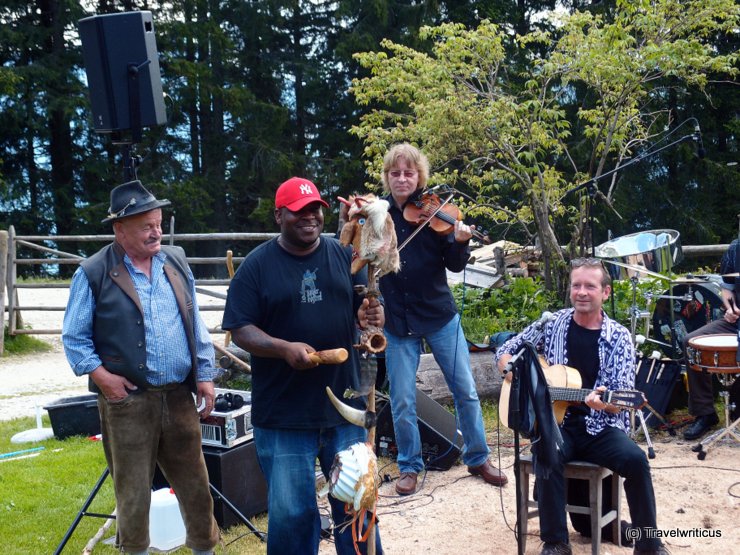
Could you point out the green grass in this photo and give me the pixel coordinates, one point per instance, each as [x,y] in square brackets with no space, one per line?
[41,495]
[23,344]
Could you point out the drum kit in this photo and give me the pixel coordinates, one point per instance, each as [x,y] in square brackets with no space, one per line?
[687,304]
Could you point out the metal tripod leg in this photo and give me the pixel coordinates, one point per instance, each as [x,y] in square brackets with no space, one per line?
[643,425]
[83,511]
[218,495]
[728,430]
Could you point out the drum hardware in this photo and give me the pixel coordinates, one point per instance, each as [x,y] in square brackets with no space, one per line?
[640,340]
[730,428]
[655,355]
[716,354]
[636,269]
[683,309]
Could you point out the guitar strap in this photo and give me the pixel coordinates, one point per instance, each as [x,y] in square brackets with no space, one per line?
[530,411]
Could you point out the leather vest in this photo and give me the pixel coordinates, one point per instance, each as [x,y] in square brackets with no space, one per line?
[118,325]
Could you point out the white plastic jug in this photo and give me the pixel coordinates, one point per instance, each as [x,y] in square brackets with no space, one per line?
[166,527]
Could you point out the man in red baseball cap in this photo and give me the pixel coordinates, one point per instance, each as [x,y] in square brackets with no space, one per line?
[292,296]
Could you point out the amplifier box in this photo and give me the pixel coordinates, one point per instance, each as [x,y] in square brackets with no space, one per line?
[237,475]
[441,441]
[232,426]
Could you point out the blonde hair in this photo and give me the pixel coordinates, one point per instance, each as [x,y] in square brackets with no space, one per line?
[413,156]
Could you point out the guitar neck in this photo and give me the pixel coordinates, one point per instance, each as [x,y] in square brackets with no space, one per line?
[568,394]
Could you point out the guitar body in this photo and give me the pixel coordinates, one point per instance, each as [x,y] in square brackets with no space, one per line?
[564,384]
[557,375]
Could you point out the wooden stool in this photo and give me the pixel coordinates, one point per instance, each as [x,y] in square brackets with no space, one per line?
[577,470]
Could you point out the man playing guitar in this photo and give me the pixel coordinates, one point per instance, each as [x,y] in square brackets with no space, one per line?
[585,338]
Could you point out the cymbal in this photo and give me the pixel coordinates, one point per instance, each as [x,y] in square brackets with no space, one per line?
[694,279]
[638,269]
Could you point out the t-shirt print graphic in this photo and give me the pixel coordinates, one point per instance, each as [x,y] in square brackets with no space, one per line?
[309,292]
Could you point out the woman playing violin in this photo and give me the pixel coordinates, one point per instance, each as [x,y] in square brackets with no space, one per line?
[419,305]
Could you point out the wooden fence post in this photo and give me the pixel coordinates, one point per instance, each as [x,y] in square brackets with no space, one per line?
[3,269]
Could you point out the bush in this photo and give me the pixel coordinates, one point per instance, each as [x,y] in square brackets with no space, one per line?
[522,301]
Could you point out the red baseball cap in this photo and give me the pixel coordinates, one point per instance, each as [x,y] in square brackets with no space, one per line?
[296,193]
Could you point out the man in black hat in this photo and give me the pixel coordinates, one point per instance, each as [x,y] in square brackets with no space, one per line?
[133,327]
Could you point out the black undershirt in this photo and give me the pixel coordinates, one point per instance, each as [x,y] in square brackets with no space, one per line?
[583,355]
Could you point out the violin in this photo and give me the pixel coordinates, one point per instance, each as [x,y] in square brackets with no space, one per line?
[441,215]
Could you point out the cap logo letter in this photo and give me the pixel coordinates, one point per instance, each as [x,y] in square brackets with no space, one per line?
[306,190]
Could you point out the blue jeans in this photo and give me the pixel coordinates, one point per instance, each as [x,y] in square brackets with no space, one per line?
[288,459]
[450,350]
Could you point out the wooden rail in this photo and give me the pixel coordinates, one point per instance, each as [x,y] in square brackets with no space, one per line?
[10,243]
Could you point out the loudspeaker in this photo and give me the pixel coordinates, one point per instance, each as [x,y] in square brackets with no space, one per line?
[236,473]
[116,47]
[441,441]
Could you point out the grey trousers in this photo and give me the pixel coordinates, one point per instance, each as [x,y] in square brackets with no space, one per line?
[159,425]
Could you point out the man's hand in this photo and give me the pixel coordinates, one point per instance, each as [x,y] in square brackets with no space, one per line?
[296,355]
[205,392]
[502,362]
[113,387]
[595,401]
[371,313]
[732,311]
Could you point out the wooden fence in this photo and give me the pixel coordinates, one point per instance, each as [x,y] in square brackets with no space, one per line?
[10,261]
[11,245]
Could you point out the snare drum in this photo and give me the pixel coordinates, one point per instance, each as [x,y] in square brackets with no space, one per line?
[714,353]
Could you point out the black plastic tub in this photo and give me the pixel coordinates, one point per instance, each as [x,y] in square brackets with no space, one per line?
[74,416]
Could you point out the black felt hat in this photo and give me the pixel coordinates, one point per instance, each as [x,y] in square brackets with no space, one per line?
[130,199]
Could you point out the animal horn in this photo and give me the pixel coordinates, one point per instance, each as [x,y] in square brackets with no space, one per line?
[344,201]
[362,418]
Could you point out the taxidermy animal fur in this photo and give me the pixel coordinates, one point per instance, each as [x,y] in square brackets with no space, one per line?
[371,233]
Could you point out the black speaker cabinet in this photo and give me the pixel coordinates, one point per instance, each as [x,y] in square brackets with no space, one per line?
[111,45]
[236,473]
[441,441]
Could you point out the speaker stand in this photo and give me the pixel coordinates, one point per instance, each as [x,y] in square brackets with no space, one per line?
[83,512]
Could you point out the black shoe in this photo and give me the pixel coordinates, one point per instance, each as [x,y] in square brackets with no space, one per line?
[701,426]
[556,549]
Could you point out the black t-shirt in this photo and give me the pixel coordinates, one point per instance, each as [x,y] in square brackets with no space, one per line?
[583,355]
[298,298]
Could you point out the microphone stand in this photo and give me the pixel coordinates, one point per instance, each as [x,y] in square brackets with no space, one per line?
[514,411]
[591,188]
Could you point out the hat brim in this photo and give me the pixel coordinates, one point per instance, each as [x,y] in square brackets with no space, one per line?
[138,209]
[296,205]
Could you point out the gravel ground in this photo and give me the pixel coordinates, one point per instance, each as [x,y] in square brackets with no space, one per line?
[39,379]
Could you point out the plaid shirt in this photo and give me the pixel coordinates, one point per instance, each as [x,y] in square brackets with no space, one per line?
[616,359]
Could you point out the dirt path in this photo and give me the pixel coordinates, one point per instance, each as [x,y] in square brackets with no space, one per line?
[39,379]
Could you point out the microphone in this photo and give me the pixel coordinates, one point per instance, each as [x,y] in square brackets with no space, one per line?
[546,317]
[700,152]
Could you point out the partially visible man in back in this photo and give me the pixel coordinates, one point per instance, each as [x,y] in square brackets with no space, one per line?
[133,327]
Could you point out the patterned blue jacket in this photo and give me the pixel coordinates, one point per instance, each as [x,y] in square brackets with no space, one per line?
[616,359]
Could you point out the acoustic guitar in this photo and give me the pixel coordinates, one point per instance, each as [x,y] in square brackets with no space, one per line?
[564,384]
